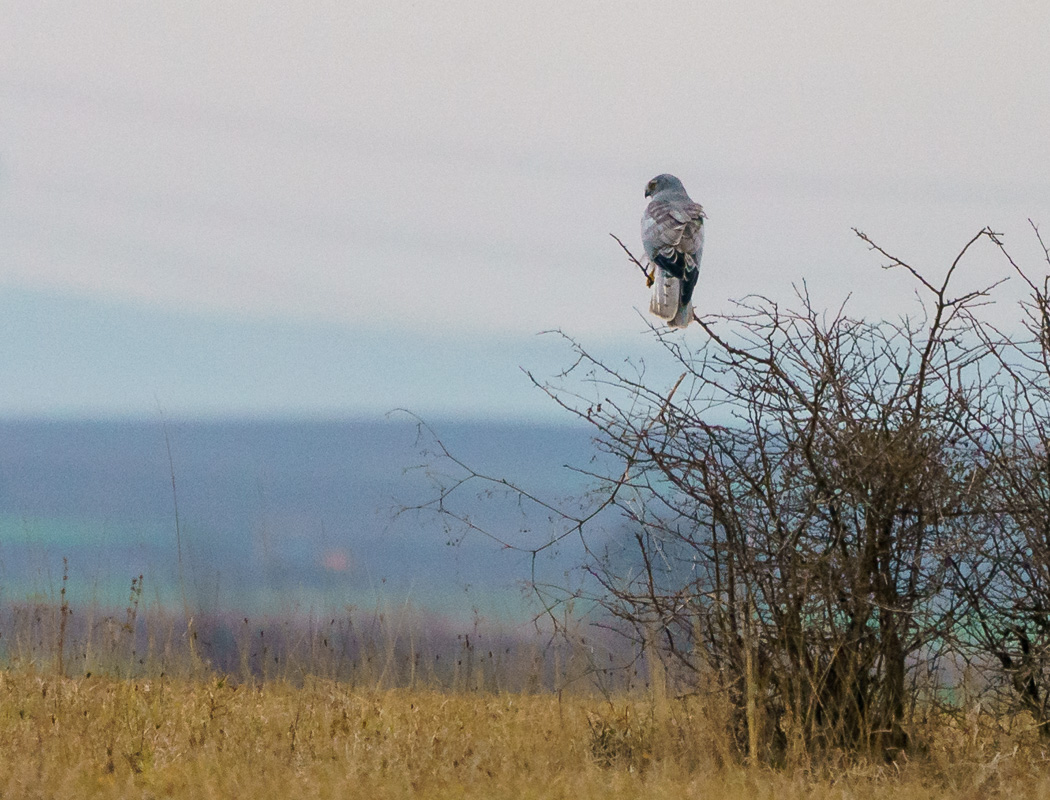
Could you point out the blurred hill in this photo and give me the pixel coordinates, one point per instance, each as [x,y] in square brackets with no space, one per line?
[272,515]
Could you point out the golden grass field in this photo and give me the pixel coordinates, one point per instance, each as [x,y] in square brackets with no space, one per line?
[208,738]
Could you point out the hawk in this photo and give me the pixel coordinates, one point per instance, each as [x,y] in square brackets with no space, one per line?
[673,237]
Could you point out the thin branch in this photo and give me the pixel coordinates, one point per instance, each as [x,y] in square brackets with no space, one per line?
[649,277]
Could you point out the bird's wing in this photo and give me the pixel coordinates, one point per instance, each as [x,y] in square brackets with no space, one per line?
[667,294]
[672,225]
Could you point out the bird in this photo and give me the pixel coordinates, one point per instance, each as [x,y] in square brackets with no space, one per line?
[673,237]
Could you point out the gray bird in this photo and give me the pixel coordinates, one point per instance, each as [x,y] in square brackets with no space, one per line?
[673,237]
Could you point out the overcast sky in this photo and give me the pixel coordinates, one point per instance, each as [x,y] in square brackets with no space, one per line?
[437,174]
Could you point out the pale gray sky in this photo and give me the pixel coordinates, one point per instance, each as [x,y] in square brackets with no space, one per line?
[454,169]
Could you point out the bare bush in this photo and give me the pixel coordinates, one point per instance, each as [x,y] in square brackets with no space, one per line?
[822,509]
[1003,570]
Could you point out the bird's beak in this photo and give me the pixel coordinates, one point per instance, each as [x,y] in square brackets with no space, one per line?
[649,191]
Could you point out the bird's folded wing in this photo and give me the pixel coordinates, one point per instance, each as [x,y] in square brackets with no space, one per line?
[667,292]
[663,224]
[687,212]
[659,227]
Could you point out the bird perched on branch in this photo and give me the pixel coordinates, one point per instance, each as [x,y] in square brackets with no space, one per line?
[673,237]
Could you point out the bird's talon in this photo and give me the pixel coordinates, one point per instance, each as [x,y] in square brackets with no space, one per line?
[650,278]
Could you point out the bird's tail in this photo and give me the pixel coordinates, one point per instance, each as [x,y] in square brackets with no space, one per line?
[667,293]
[683,317]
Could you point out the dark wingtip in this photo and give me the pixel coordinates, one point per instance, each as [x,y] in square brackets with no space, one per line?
[675,266]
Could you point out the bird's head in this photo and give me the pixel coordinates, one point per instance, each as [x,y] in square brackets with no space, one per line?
[662,182]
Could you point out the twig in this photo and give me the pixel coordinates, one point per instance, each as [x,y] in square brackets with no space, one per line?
[649,278]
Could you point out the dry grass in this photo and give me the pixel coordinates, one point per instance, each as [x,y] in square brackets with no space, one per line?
[106,737]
